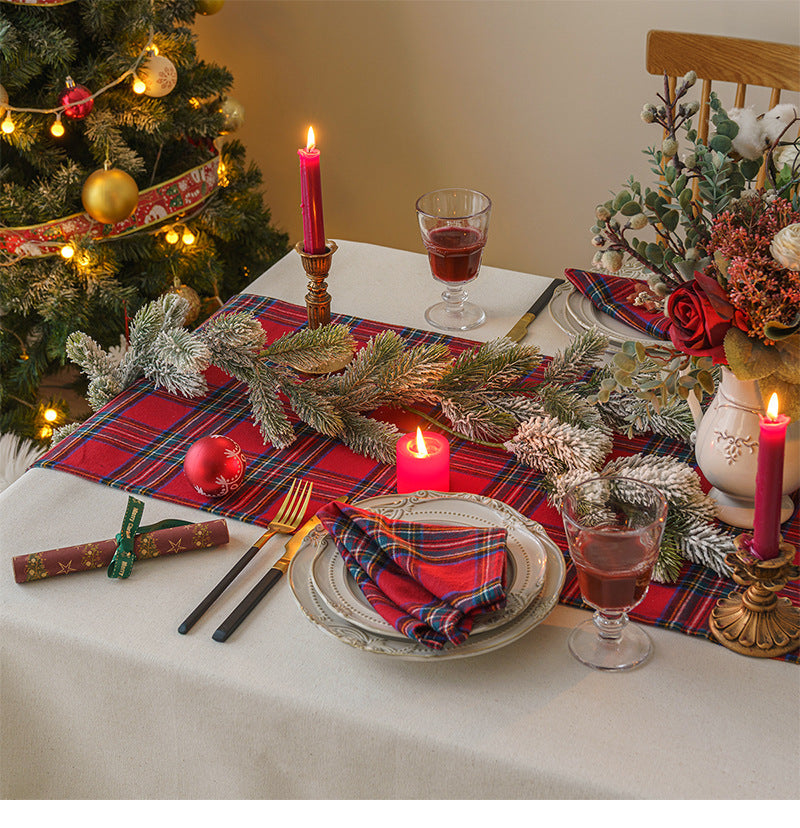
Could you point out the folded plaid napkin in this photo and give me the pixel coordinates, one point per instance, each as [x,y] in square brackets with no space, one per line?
[614,295]
[428,581]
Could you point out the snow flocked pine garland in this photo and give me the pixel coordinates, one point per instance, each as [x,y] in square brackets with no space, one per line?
[483,394]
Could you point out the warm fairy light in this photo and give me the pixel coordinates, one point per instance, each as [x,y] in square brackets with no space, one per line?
[7,125]
[772,407]
[45,432]
[57,129]
[138,85]
[50,414]
[187,237]
[310,139]
[67,251]
[422,449]
[172,236]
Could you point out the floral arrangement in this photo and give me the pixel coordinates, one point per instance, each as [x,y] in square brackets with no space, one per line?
[724,256]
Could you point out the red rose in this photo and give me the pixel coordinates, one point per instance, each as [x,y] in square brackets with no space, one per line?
[697,328]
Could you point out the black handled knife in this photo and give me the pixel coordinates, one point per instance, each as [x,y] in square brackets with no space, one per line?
[521,328]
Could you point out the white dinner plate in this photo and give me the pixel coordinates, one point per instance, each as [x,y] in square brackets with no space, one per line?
[318,612]
[574,313]
[526,559]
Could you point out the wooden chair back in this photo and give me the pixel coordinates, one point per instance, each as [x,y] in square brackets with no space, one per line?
[774,66]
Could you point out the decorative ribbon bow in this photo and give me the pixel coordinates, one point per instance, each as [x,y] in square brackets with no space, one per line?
[121,564]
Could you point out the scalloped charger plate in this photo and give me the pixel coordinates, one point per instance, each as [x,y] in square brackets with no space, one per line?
[458,509]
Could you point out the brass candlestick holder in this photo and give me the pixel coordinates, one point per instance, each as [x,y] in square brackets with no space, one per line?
[318,300]
[317,266]
[757,622]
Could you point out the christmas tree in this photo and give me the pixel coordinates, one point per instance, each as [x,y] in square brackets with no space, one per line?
[118,183]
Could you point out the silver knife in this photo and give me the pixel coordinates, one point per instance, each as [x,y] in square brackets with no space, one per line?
[521,328]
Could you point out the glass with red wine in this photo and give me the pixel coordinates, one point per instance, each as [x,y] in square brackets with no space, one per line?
[454,223]
[614,527]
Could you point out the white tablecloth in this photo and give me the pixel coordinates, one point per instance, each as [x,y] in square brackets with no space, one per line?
[102,698]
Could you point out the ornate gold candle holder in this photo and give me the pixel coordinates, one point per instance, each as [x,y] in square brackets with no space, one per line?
[757,622]
[317,267]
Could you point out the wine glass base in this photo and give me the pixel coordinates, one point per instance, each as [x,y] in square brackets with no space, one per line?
[632,648]
[447,318]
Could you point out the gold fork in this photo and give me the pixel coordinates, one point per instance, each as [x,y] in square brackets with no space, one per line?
[287,520]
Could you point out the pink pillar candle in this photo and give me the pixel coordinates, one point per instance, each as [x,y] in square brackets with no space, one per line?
[425,465]
[311,197]
[769,482]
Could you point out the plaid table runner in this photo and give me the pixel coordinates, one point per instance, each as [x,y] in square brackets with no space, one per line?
[610,295]
[137,443]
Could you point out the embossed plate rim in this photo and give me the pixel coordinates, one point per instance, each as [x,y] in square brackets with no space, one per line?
[315,609]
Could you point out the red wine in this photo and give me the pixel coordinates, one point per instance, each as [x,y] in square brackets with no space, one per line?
[455,253]
[614,572]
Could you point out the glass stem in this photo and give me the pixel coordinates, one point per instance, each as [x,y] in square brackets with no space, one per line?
[610,624]
[455,298]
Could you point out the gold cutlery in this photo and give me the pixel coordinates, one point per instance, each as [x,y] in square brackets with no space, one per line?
[285,521]
[272,577]
[519,330]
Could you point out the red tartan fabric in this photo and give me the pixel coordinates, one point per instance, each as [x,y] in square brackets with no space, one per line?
[428,581]
[610,295]
[137,443]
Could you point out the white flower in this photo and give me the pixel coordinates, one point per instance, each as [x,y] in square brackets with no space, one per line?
[787,155]
[785,247]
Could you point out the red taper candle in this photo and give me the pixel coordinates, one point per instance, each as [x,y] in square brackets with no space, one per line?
[311,197]
[769,482]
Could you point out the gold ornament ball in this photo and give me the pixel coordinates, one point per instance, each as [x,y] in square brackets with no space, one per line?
[190,295]
[159,75]
[233,115]
[110,196]
[208,6]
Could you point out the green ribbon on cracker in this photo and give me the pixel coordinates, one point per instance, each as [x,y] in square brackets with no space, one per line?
[121,564]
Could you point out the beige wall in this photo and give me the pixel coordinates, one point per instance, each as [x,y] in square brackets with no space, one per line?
[535,102]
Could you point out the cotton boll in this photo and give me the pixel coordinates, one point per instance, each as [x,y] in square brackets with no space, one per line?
[776,120]
[750,141]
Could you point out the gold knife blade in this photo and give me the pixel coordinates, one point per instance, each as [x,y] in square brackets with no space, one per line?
[293,544]
[519,330]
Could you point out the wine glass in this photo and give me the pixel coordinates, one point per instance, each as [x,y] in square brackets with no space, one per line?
[614,527]
[454,223]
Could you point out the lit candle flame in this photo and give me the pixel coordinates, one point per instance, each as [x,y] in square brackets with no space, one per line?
[422,449]
[310,139]
[772,407]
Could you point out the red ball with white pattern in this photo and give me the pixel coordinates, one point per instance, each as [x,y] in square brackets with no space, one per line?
[215,465]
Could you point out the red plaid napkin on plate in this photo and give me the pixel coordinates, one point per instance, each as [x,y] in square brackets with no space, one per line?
[612,295]
[428,581]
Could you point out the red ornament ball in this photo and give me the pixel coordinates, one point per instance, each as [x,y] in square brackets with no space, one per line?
[214,465]
[74,99]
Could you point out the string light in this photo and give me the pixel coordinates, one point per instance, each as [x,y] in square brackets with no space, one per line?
[188,237]
[50,414]
[150,48]
[172,236]
[67,251]
[138,85]
[46,432]
[57,129]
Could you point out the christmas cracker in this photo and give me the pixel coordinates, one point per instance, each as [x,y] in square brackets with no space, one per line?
[98,554]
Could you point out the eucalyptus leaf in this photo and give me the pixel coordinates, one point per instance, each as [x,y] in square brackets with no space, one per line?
[630,208]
